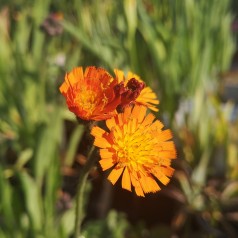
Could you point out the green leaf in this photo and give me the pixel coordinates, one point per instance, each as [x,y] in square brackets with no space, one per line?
[32,200]
[73,144]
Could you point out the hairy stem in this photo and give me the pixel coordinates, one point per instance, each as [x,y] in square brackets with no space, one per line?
[81,190]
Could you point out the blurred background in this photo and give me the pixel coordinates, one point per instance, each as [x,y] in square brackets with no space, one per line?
[185,50]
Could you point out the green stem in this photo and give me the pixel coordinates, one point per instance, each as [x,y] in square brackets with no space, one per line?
[80,192]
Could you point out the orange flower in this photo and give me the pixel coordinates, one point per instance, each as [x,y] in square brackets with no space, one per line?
[90,95]
[137,147]
[146,97]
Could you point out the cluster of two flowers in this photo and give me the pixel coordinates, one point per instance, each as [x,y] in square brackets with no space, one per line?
[135,146]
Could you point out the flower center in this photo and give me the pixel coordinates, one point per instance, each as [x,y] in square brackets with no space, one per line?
[125,153]
[133,148]
[86,100]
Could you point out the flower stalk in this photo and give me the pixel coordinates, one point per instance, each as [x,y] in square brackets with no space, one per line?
[79,213]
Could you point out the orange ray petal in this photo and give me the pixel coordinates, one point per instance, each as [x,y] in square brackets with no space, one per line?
[148,184]
[110,123]
[115,174]
[148,120]
[126,180]
[164,161]
[78,74]
[106,154]
[135,182]
[101,142]
[168,145]
[133,75]
[97,131]
[147,98]
[119,74]
[167,154]
[160,176]
[139,113]
[106,163]
[127,112]
[165,135]
[132,125]
[63,88]
[168,171]
[157,125]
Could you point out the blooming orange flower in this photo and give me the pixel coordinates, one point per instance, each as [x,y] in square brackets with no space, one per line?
[137,148]
[146,97]
[90,94]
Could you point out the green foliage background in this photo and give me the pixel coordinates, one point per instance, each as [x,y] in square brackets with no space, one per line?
[180,48]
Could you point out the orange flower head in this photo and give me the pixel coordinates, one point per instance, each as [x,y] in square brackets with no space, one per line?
[145,97]
[90,95]
[137,148]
